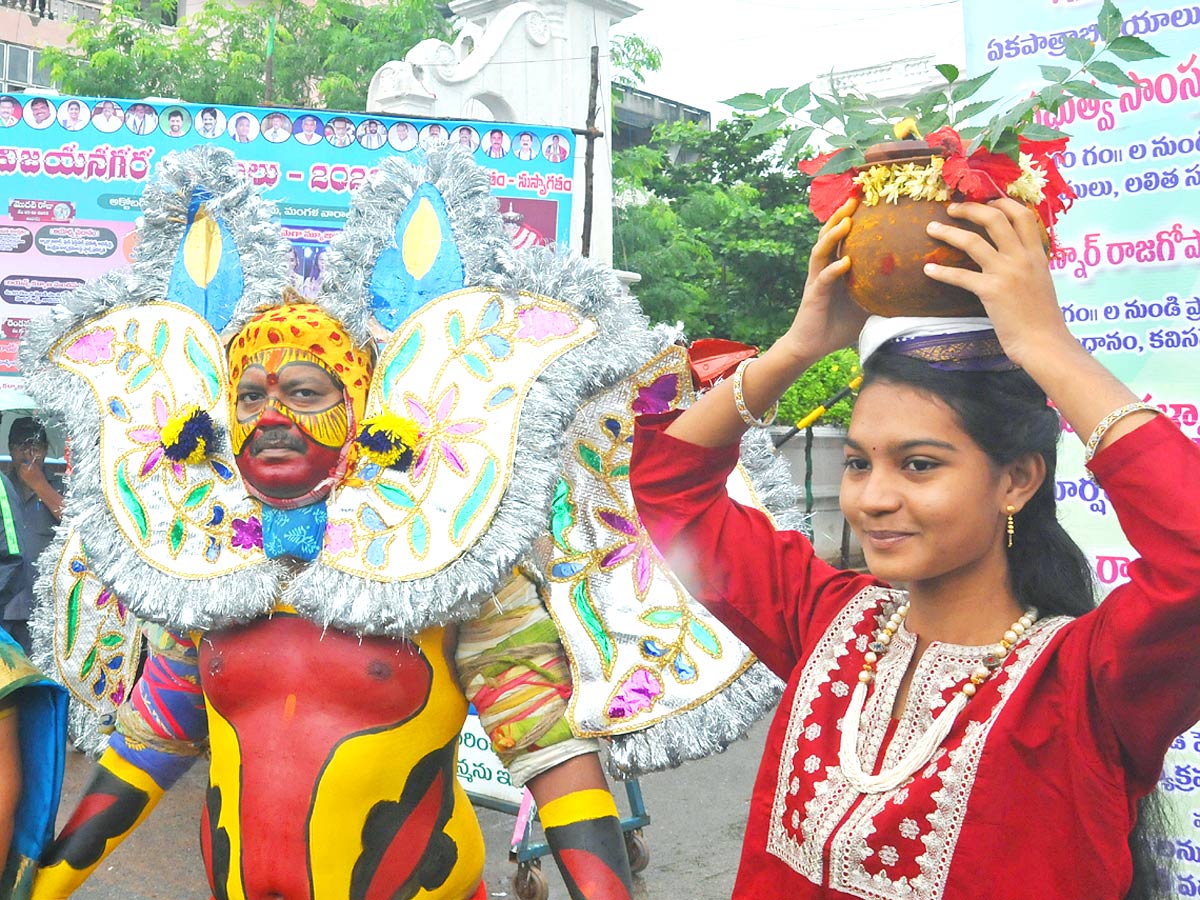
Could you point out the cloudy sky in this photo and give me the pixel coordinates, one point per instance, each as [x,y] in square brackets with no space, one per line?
[713,49]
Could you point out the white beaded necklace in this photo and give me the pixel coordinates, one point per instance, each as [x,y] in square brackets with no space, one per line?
[921,752]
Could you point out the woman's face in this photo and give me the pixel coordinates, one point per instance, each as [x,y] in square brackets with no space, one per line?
[925,501]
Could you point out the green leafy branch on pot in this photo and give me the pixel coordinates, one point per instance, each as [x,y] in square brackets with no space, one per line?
[854,121]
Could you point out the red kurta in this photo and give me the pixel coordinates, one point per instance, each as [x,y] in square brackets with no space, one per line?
[1033,793]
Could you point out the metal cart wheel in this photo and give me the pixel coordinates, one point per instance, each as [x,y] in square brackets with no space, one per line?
[638,851]
[529,883]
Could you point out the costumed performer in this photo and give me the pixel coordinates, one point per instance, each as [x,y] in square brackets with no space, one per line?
[331,541]
[984,731]
[33,731]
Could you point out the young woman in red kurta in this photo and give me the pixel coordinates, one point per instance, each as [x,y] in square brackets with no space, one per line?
[983,733]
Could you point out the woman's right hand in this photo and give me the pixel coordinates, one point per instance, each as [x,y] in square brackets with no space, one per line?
[827,319]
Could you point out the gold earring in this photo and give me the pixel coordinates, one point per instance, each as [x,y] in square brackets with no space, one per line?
[1011,525]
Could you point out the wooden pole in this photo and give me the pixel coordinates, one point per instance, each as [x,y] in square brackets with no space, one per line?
[589,158]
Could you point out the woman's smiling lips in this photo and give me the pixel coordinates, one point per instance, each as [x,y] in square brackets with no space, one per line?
[886,540]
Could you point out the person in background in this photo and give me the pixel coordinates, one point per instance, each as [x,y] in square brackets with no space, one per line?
[39,113]
[526,150]
[277,128]
[309,133]
[495,148]
[33,737]
[467,139]
[141,119]
[108,117]
[243,132]
[71,116]
[35,500]
[175,123]
[10,112]
[371,135]
[402,136]
[556,152]
[208,123]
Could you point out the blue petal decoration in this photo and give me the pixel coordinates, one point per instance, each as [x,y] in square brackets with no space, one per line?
[565,569]
[216,300]
[125,361]
[372,519]
[652,647]
[369,471]
[115,662]
[100,685]
[131,332]
[614,427]
[218,515]
[223,471]
[497,346]
[213,550]
[77,566]
[377,551]
[395,292]
[491,315]
[682,669]
[418,533]
[499,397]
[117,408]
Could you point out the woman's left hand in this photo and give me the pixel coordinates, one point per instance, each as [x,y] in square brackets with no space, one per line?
[1014,283]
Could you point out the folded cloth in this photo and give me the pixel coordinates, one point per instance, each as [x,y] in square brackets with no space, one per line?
[958,344]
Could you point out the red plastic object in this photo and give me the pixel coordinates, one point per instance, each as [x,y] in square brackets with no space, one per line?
[715,358]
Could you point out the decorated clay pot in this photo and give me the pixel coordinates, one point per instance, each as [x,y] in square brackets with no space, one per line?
[888,248]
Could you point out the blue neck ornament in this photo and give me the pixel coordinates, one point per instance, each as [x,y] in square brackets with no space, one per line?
[299,533]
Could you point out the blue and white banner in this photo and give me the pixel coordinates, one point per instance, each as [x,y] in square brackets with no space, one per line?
[72,171]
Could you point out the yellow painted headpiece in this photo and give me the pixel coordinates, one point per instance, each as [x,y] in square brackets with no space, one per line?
[300,331]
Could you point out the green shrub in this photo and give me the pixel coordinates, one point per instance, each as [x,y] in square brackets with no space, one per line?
[823,379]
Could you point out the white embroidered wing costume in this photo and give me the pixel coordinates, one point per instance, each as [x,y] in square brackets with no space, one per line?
[490,351]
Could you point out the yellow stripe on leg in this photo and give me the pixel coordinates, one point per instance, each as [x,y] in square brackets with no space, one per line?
[578,806]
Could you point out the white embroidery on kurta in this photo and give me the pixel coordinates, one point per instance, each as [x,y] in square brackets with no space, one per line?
[896,845]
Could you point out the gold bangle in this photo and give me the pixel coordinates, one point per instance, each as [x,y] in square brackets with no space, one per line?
[1089,449]
[739,401]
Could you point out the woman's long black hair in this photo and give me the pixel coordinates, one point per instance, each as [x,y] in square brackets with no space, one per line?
[1007,415]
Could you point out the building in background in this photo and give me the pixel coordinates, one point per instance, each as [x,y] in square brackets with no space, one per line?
[636,113]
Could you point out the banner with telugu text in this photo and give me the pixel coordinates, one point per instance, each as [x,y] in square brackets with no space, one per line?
[72,171]
[1128,278]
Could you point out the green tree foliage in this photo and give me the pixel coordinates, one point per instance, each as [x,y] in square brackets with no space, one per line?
[325,53]
[718,229]
[631,57]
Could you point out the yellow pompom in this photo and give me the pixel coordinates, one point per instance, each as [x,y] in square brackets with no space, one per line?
[388,439]
[198,455]
[171,431]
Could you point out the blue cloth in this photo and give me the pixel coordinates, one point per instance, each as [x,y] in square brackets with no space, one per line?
[299,533]
[42,728]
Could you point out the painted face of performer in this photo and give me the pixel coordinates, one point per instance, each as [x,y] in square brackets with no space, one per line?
[299,388]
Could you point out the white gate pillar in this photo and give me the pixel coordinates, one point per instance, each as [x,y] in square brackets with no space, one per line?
[525,61]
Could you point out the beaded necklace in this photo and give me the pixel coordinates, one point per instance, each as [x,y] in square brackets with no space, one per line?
[922,750]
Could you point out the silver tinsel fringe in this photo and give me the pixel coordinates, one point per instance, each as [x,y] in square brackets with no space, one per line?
[707,729]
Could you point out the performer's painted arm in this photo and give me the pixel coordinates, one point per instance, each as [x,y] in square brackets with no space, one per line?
[513,668]
[161,729]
